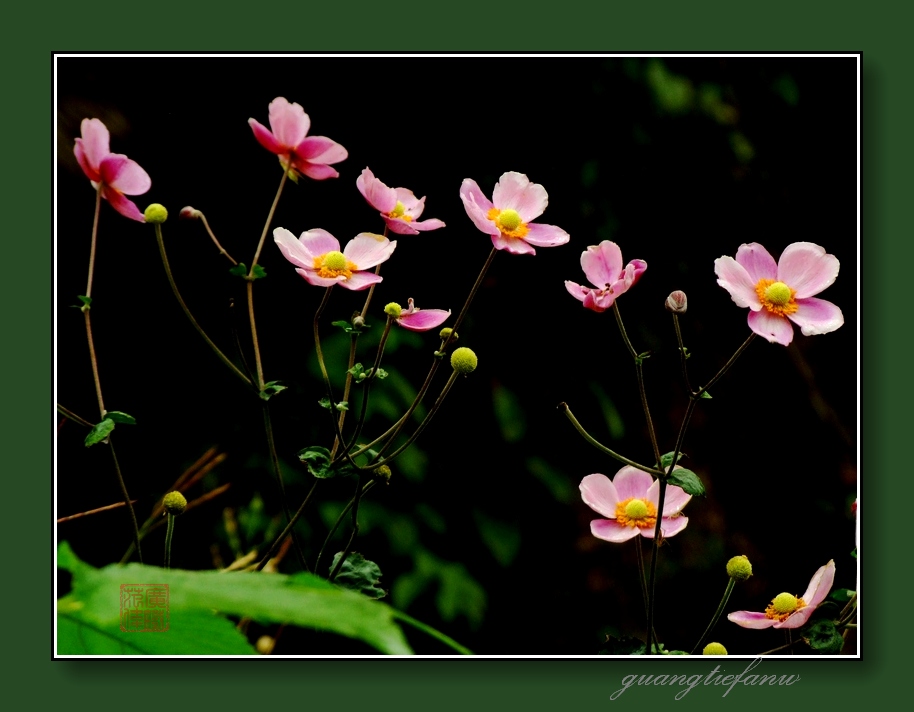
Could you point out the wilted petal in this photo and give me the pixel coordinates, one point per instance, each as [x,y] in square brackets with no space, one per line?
[611,530]
[599,493]
[423,319]
[774,328]
[816,316]
[806,268]
[576,290]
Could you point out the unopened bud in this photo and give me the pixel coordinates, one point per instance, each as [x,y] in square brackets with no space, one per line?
[174,503]
[393,310]
[446,332]
[357,321]
[189,213]
[739,568]
[382,473]
[714,649]
[676,302]
[155,214]
[463,360]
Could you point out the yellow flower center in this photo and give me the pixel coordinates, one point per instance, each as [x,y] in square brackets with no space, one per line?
[334,264]
[634,512]
[776,297]
[398,212]
[783,605]
[508,222]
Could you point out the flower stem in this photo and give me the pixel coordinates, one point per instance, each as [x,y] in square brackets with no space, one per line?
[642,580]
[682,353]
[436,634]
[127,501]
[222,250]
[168,536]
[367,384]
[726,366]
[717,613]
[357,498]
[266,227]
[336,525]
[98,207]
[289,528]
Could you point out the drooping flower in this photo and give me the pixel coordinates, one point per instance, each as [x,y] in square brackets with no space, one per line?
[399,207]
[787,610]
[310,156]
[629,501]
[508,217]
[317,256]
[115,173]
[782,292]
[415,319]
[602,265]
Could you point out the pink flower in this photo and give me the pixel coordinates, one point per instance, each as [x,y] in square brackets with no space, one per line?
[602,265]
[416,319]
[507,217]
[115,173]
[786,610]
[319,260]
[780,293]
[630,503]
[290,125]
[399,208]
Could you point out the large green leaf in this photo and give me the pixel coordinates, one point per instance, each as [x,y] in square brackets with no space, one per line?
[303,600]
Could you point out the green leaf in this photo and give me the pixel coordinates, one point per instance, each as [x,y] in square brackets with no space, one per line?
[92,611]
[317,459]
[842,595]
[324,403]
[688,480]
[705,395]
[642,357]
[349,328]
[854,552]
[357,369]
[342,405]
[382,374]
[824,638]
[119,417]
[271,388]
[359,574]
[667,459]
[86,303]
[259,272]
[239,270]
[100,432]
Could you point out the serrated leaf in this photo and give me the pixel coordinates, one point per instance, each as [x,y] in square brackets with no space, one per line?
[239,270]
[823,637]
[258,272]
[359,574]
[317,459]
[667,459]
[100,432]
[688,480]
[120,417]
[270,389]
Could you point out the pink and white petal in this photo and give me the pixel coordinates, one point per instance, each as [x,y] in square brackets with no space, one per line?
[124,206]
[816,316]
[83,161]
[315,171]
[611,530]
[368,250]
[599,493]
[477,206]
[669,526]
[806,268]
[400,226]
[425,225]
[576,290]
[820,585]
[312,277]
[265,137]
[95,140]
[750,619]
[378,195]
[774,328]
[423,319]
[317,242]
[125,175]
[733,277]
[598,301]
[602,264]
[320,149]
[633,272]
[412,205]
[289,122]
[797,619]
[757,261]
[545,235]
[361,280]
[676,498]
[513,245]
[632,482]
[514,191]
[292,249]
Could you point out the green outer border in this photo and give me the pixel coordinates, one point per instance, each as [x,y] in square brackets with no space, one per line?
[656,26]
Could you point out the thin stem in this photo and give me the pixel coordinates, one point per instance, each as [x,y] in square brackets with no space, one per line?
[289,528]
[436,634]
[98,207]
[780,647]
[642,579]
[222,250]
[367,384]
[563,407]
[726,366]
[720,609]
[168,536]
[266,227]
[682,352]
[257,362]
[97,510]
[359,490]
[174,289]
[655,542]
[72,416]
[94,361]
[317,343]
[347,388]
[336,524]
[127,501]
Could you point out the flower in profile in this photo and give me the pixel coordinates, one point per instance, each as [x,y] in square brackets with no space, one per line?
[399,207]
[782,292]
[602,265]
[508,217]
[415,319]
[310,156]
[317,256]
[629,501]
[787,610]
[113,173]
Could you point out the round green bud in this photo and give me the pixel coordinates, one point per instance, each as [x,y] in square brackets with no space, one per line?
[155,214]
[382,473]
[446,332]
[174,503]
[778,293]
[739,568]
[714,649]
[393,310]
[463,360]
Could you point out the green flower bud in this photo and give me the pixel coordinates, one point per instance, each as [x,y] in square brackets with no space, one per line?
[446,332]
[156,214]
[174,503]
[739,568]
[463,360]
[714,649]
[382,473]
[393,310]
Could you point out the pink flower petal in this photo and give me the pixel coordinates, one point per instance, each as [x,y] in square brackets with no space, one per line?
[477,206]
[774,328]
[368,250]
[378,195]
[292,249]
[425,225]
[602,264]
[820,585]
[816,316]
[400,226]
[514,191]
[361,280]
[633,272]
[315,171]
[676,498]
[312,277]
[545,235]
[412,205]
[514,245]
[80,152]
[576,290]
[265,138]
[733,277]
[797,619]
[669,526]
[750,619]
[124,175]
[317,242]
[611,530]
[95,141]
[320,149]
[806,268]
[598,301]
[632,482]
[599,493]
[757,262]
[423,319]
[124,206]
[289,122]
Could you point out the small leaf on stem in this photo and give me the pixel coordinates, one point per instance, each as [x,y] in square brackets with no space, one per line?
[120,417]
[688,480]
[100,432]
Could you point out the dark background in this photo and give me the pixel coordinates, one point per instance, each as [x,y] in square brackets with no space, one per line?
[483,535]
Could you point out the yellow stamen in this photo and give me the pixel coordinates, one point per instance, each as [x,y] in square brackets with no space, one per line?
[334,264]
[508,222]
[783,605]
[399,212]
[634,512]
[776,297]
